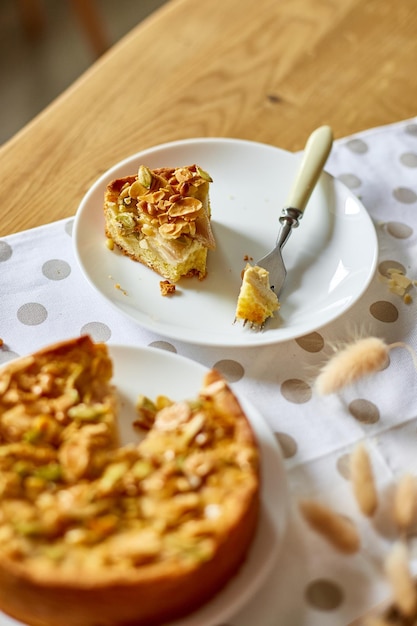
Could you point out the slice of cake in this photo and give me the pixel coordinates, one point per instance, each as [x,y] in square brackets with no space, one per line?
[161,217]
[256,301]
[92,532]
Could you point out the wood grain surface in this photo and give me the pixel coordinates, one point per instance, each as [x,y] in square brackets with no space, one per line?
[269,71]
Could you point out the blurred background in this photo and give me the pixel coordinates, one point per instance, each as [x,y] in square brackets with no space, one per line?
[46,44]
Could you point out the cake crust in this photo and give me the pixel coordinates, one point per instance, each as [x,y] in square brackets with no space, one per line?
[136,536]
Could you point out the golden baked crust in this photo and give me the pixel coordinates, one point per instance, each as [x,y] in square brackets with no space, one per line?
[93,533]
[161,218]
[256,301]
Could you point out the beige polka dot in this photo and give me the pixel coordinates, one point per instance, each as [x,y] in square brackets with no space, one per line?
[350,180]
[295,390]
[98,331]
[231,370]
[313,342]
[324,595]
[357,145]
[342,466]
[163,345]
[385,266]
[32,314]
[384,311]
[287,444]
[399,230]
[5,251]
[365,411]
[409,159]
[69,226]
[7,355]
[411,129]
[56,269]
[405,195]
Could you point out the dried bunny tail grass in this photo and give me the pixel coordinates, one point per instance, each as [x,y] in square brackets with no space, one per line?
[405,502]
[363,482]
[355,360]
[403,586]
[376,621]
[336,529]
[360,358]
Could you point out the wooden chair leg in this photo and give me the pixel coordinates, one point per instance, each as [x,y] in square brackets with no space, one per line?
[90,20]
[32,16]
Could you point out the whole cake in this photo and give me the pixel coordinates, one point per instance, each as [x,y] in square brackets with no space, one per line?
[161,217]
[94,533]
[256,300]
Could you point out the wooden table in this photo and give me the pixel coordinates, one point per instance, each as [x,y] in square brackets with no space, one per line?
[268,71]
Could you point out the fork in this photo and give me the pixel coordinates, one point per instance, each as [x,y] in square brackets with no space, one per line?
[315,155]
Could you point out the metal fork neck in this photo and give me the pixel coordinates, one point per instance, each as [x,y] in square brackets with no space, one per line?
[289,219]
[289,214]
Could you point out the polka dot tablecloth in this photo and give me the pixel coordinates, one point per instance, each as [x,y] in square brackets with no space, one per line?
[44,298]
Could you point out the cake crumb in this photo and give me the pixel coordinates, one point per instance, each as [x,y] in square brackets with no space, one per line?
[120,288]
[399,283]
[167,288]
[1,342]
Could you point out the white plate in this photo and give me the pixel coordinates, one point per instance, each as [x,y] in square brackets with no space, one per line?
[152,371]
[330,258]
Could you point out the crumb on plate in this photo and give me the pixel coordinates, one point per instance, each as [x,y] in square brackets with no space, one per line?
[167,288]
[120,288]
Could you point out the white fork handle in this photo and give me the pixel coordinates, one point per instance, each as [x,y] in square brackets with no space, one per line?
[315,155]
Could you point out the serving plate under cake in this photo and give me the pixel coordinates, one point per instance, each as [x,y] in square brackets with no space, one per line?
[331,258]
